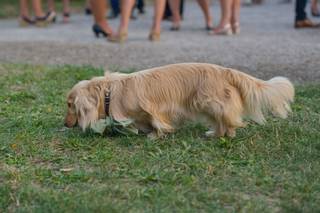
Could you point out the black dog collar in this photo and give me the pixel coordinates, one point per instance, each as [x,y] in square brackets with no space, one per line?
[107,103]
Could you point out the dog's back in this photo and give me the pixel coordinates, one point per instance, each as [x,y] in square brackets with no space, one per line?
[225,95]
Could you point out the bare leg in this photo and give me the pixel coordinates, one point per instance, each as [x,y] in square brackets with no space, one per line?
[235,11]
[37,8]
[224,27]
[314,7]
[225,12]
[24,8]
[126,9]
[205,7]
[66,11]
[99,12]
[88,4]
[235,17]
[51,6]
[159,6]
[176,18]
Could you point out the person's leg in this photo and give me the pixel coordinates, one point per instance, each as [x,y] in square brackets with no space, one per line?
[99,8]
[225,6]
[314,8]
[66,11]
[126,8]
[51,6]
[115,7]
[24,19]
[205,7]
[300,10]
[181,8]
[24,8]
[235,17]
[176,19]
[37,8]
[301,19]
[87,9]
[140,6]
[159,6]
[224,27]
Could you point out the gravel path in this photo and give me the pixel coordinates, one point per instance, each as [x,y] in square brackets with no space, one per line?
[267,46]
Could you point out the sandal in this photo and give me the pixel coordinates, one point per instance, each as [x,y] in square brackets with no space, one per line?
[153,36]
[119,38]
[25,21]
[225,30]
[235,28]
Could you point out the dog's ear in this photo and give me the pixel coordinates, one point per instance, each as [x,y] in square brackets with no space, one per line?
[86,107]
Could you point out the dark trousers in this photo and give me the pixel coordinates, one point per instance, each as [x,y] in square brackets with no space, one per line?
[115,6]
[167,11]
[140,5]
[301,10]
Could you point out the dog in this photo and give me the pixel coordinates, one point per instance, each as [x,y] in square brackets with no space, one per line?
[160,99]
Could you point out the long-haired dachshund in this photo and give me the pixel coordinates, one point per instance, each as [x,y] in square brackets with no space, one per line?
[158,100]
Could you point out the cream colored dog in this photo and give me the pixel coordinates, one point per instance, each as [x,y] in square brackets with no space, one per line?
[160,99]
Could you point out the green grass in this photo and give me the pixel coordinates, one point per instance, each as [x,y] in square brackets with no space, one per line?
[270,168]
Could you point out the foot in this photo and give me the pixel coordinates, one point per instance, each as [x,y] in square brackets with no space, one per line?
[175,27]
[66,17]
[154,36]
[222,30]
[25,21]
[315,12]
[209,28]
[306,23]
[235,28]
[118,38]
[105,30]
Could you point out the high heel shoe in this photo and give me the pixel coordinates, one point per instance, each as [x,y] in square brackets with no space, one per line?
[235,28]
[45,20]
[25,21]
[225,30]
[66,17]
[97,30]
[119,38]
[153,36]
[51,17]
[208,28]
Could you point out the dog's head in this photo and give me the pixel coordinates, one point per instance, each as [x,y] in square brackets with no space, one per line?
[84,104]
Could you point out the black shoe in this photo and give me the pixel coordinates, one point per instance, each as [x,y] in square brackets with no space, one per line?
[112,16]
[87,11]
[209,28]
[97,30]
[141,11]
[25,21]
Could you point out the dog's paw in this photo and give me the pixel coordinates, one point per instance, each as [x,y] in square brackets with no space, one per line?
[153,136]
[210,134]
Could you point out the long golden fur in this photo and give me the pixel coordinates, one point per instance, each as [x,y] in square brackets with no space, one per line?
[160,99]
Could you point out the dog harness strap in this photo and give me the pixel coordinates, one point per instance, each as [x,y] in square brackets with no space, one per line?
[107,103]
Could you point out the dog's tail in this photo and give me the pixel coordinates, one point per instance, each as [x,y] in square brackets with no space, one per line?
[261,96]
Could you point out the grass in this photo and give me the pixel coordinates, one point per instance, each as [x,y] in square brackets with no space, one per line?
[270,168]
[10,8]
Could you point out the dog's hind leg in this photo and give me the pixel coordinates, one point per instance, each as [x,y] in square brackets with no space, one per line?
[162,126]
